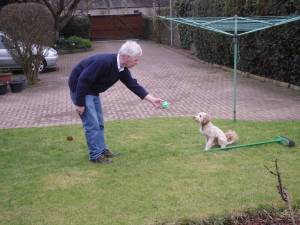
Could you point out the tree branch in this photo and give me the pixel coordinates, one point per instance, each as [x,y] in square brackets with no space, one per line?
[283,191]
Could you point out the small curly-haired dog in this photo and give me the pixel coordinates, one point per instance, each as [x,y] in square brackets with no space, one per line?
[214,135]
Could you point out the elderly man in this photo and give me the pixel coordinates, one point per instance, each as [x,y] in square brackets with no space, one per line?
[94,75]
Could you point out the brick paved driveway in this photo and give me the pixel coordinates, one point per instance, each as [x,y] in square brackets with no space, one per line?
[188,84]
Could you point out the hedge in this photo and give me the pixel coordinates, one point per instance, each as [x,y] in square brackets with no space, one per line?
[77,26]
[272,53]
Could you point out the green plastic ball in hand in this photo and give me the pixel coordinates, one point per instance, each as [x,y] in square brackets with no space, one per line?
[165,105]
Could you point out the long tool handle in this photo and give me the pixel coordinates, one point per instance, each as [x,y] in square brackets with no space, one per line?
[246,145]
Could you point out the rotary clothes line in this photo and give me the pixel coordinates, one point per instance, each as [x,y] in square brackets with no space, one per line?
[235,27]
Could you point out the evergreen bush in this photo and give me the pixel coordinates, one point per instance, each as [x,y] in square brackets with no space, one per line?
[72,43]
[272,53]
[77,26]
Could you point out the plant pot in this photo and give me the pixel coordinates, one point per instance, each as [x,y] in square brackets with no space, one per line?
[5,77]
[20,77]
[17,86]
[3,88]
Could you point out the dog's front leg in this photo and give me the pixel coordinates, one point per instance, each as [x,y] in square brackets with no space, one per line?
[223,146]
[206,140]
[209,144]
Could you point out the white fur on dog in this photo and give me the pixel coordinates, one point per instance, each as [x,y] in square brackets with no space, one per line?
[214,135]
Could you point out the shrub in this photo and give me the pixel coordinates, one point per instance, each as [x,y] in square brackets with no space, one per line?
[272,53]
[73,42]
[77,26]
[80,42]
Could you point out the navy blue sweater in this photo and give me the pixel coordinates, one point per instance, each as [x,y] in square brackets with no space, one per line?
[98,73]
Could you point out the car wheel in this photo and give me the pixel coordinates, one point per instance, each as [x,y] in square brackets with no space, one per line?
[42,66]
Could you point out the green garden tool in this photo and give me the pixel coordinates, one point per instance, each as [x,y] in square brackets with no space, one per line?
[279,139]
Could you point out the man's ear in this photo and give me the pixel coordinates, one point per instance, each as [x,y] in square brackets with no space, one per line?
[124,59]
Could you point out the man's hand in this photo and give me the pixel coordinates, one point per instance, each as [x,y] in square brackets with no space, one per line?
[80,110]
[156,102]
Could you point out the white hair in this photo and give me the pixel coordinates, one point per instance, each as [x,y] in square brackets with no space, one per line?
[131,48]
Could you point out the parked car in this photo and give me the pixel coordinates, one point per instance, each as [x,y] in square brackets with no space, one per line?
[7,62]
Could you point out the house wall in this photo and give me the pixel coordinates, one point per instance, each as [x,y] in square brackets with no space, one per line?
[148,12]
[117,7]
[96,12]
[164,35]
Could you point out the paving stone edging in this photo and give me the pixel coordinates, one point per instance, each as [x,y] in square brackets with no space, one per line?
[63,52]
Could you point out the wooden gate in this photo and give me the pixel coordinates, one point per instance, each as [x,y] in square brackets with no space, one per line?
[114,27]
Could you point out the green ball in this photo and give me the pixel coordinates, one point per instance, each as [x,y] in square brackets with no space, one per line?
[165,105]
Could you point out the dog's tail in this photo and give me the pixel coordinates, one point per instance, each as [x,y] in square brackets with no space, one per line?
[231,136]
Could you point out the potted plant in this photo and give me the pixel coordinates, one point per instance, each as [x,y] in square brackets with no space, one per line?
[3,88]
[5,75]
[17,85]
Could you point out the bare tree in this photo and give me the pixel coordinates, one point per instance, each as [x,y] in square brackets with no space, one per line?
[3,3]
[61,11]
[6,2]
[85,7]
[108,6]
[284,194]
[28,28]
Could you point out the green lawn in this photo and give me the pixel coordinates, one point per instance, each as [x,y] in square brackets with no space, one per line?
[163,174]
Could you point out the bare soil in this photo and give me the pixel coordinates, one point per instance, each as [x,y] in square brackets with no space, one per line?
[262,217]
[266,219]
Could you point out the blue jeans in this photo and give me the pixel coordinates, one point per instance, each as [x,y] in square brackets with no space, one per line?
[93,124]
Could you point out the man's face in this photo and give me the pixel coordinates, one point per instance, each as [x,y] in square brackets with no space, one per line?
[130,61]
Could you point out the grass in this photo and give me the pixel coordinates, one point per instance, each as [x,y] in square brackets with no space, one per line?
[161,175]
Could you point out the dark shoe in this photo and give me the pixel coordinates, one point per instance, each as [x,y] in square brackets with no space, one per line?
[101,159]
[109,154]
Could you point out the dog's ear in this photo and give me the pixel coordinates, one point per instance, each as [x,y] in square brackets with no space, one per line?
[206,119]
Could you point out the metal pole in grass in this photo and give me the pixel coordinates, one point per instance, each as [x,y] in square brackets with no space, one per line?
[235,42]
[171,25]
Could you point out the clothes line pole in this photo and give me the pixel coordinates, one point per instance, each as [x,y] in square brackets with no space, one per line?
[171,25]
[235,41]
